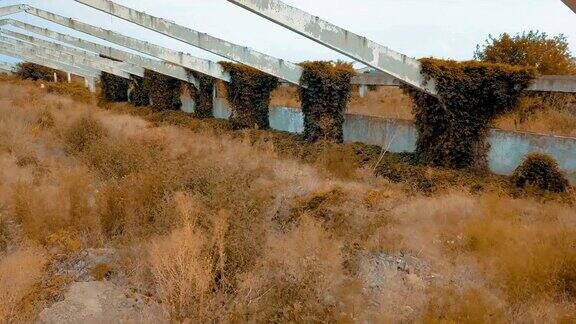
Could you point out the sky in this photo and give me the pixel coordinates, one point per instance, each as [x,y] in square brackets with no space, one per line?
[417,28]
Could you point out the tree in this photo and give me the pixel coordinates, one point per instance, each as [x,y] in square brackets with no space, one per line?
[549,55]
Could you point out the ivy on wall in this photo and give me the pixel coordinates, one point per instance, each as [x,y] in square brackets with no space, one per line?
[163,91]
[114,88]
[453,127]
[203,97]
[325,99]
[138,94]
[31,71]
[249,95]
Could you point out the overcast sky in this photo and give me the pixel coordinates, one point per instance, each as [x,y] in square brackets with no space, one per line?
[440,28]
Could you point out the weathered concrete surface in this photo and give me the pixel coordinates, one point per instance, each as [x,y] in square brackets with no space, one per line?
[100,302]
[161,67]
[508,149]
[241,54]
[354,46]
[183,59]
[554,83]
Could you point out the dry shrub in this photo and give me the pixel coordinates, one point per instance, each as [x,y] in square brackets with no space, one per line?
[114,88]
[82,133]
[163,91]
[324,100]
[452,305]
[453,127]
[540,171]
[249,95]
[76,91]
[19,272]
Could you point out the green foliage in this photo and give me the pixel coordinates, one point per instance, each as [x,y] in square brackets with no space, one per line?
[540,171]
[249,95]
[138,94]
[114,88]
[203,96]
[31,71]
[548,55]
[324,101]
[163,91]
[453,127]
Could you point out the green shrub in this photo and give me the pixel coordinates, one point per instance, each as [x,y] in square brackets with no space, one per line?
[325,98]
[31,71]
[163,91]
[453,127]
[540,171]
[249,96]
[114,88]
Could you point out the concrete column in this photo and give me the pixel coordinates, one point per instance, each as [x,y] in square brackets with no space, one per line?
[362,90]
[69,77]
[90,83]
[55,77]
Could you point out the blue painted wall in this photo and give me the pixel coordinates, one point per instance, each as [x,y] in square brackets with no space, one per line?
[506,153]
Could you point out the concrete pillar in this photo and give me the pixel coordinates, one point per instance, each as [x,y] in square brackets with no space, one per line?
[55,77]
[362,90]
[90,83]
[69,77]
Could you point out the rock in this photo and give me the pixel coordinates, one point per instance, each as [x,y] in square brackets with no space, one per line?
[100,302]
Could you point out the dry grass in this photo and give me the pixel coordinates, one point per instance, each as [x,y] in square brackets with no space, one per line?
[224,226]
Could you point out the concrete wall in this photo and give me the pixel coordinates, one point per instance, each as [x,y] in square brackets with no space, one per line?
[506,153]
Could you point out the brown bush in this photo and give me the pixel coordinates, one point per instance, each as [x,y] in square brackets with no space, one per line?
[540,171]
[114,88]
[82,133]
[37,72]
[74,90]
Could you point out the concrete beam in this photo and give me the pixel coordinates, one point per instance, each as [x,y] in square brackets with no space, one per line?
[7,67]
[241,54]
[161,67]
[555,83]
[9,10]
[571,4]
[130,68]
[354,46]
[183,59]
[73,60]
[380,79]
[47,62]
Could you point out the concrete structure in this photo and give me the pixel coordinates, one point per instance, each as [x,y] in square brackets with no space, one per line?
[65,50]
[354,46]
[47,62]
[508,149]
[571,4]
[74,60]
[161,67]
[555,83]
[7,68]
[183,59]
[265,63]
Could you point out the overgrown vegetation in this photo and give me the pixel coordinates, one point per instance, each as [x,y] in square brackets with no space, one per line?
[249,95]
[452,127]
[31,71]
[540,171]
[203,96]
[163,91]
[76,91]
[325,98]
[114,88]
[249,226]
[548,55]
[138,93]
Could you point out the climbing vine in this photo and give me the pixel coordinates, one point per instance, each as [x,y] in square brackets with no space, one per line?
[249,95]
[325,98]
[138,94]
[453,127]
[114,88]
[31,71]
[163,91]
[203,95]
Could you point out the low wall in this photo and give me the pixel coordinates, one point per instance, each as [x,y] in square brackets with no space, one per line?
[506,153]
